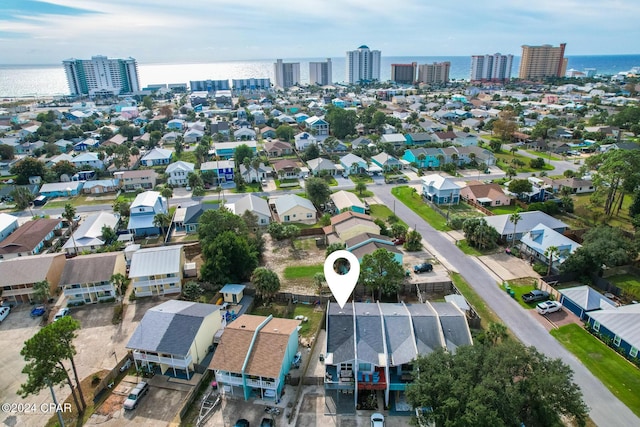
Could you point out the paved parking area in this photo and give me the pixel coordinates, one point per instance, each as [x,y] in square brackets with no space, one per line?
[507,267]
[555,320]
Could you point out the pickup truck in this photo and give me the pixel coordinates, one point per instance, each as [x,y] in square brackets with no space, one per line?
[136,395]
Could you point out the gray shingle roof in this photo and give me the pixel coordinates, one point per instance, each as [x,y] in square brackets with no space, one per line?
[369,339]
[427,328]
[454,325]
[92,268]
[340,340]
[401,346]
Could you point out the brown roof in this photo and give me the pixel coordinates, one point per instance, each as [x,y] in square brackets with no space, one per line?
[138,173]
[347,215]
[285,164]
[232,350]
[480,189]
[446,135]
[364,237]
[92,268]
[28,236]
[277,145]
[27,270]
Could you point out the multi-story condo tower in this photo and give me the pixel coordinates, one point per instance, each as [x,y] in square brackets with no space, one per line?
[542,61]
[251,84]
[102,76]
[287,74]
[209,85]
[491,68]
[320,73]
[404,73]
[438,72]
[363,65]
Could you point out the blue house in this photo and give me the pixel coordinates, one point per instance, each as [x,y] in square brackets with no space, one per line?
[157,157]
[61,189]
[386,161]
[583,300]
[143,210]
[193,214]
[440,189]
[339,103]
[226,150]
[353,164]
[222,168]
[176,124]
[346,201]
[254,356]
[620,325]
[86,144]
[424,157]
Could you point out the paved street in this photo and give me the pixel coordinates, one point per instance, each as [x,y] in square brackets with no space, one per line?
[606,409]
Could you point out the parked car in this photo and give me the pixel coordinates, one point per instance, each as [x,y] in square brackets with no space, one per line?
[535,295]
[61,313]
[37,311]
[425,267]
[297,359]
[4,312]
[377,420]
[136,395]
[241,423]
[267,422]
[547,307]
[398,241]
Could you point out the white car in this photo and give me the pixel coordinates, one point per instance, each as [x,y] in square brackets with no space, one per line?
[377,420]
[61,313]
[547,307]
[136,395]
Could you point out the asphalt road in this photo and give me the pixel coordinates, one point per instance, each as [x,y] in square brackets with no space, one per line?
[605,408]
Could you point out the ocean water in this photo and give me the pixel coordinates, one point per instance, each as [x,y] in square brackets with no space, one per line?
[50,80]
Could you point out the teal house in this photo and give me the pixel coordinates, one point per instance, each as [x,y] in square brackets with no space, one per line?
[424,157]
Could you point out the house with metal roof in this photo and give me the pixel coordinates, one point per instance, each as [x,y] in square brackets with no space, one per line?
[386,161]
[88,235]
[20,274]
[293,208]
[620,325]
[8,224]
[583,300]
[254,356]
[101,186]
[440,189]
[254,204]
[157,271]
[86,279]
[192,215]
[346,201]
[174,336]
[320,164]
[353,164]
[30,238]
[371,346]
[88,160]
[226,150]
[527,221]
[540,238]
[144,208]
[61,189]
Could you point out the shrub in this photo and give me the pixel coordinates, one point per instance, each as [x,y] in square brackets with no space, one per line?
[540,268]
[117,314]
[111,299]
[456,221]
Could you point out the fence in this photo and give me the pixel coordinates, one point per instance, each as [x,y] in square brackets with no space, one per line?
[103,385]
[311,232]
[544,286]
[479,207]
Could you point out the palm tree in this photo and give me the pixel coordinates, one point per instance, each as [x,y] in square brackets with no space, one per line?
[69,214]
[550,253]
[513,150]
[42,292]
[355,167]
[421,158]
[162,221]
[361,187]
[472,157]
[440,161]
[454,160]
[121,283]
[515,217]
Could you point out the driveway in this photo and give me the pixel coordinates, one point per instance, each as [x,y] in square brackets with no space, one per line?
[507,267]
[605,408]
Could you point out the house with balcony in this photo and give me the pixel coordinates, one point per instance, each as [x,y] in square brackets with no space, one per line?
[303,140]
[255,174]
[86,279]
[440,189]
[425,157]
[156,157]
[142,212]
[398,140]
[157,271]
[174,336]
[179,172]
[370,347]
[226,150]
[317,125]
[223,170]
[20,274]
[31,238]
[87,160]
[8,224]
[254,356]
[244,134]
[539,239]
[277,148]
[137,179]
[287,169]
[88,235]
[419,138]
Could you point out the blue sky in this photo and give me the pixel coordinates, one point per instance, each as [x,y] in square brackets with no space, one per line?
[169,31]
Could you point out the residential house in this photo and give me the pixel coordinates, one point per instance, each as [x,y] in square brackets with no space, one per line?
[8,224]
[278,148]
[446,137]
[157,271]
[226,150]
[620,325]
[440,189]
[232,293]
[175,336]
[584,300]
[192,214]
[346,201]
[347,225]
[61,189]
[143,211]
[255,175]
[101,186]
[87,160]
[30,238]
[177,124]
[137,179]
[465,139]
[287,169]
[293,208]
[254,204]
[170,138]
[192,136]
[20,274]
[179,172]
[371,347]
[244,134]
[300,117]
[316,166]
[220,128]
[318,126]
[386,161]
[480,155]
[419,138]
[116,140]
[485,194]
[360,142]
[254,356]
[59,158]
[88,235]
[576,185]
[353,164]
[303,140]
[367,243]
[86,144]
[540,238]
[86,279]
[398,140]
[528,220]
[268,133]
[223,170]
[156,157]
[424,157]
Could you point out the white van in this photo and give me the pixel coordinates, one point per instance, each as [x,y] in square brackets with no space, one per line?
[4,312]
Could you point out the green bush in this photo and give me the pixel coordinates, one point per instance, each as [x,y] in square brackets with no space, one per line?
[540,268]
[456,221]
[117,314]
[112,299]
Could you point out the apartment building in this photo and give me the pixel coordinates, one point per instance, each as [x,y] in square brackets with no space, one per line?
[102,76]
[320,73]
[542,61]
[491,68]
[363,65]
[286,74]
[438,72]
[404,73]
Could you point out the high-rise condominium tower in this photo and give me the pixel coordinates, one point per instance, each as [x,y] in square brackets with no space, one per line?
[102,76]
[438,72]
[363,65]
[404,73]
[491,68]
[287,74]
[542,61]
[320,73]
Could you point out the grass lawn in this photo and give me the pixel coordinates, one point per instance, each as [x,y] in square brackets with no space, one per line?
[79,201]
[501,210]
[414,202]
[629,283]
[302,271]
[365,193]
[361,177]
[582,207]
[288,184]
[253,187]
[486,314]
[305,244]
[309,327]
[469,250]
[383,212]
[544,154]
[504,162]
[616,373]
[188,156]
[521,287]
[331,181]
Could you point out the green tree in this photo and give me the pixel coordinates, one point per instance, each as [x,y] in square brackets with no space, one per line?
[64,167]
[361,187]
[343,122]
[317,191]
[241,152]
[108,235]
[520,187]
[266,282]
[22,197]
[332,248]
[122,207]
[537,163]
[479,234]
[6,152]
[42,293]
[618,174]
[379,271]
[195,180]
[319,281]
[26,168]
[398,230]
[413,241]
[69,215]
[311,152]
[167,192]
[192,291]
[602,245]
[121,283]
[498,384]
[514,218]
[162,221]
[285,133]
[228,257]
[551,252]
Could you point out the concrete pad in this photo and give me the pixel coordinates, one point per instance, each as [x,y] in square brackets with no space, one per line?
[507,267]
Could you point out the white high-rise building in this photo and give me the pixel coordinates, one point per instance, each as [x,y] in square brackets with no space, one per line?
[102,76]
[320,73]
[287,74]
[494,67]
[363,65]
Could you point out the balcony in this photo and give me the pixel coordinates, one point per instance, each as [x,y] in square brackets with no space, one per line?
[181,363]
[141,283]
[259,383]
[227,378]
[372,381]
[338,380]
[87,289]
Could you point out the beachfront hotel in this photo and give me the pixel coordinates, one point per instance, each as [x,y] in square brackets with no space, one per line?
[491,68]
[287,74]
[404,73]
[542,61]
[438,72]
[102,76]
[320,73]
[363,65]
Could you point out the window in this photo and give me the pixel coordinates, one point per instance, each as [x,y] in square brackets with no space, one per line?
[633,352]
[616,341]
[596,325]
[364,367]
[309,215]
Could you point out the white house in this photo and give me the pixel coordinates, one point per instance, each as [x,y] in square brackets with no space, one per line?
[178,173]
[88,160]
[157,271]
[320,164]
[293,208]
[254,204]
[244,134]
[143,211]
[8,224]
[88,236]
[303,140]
